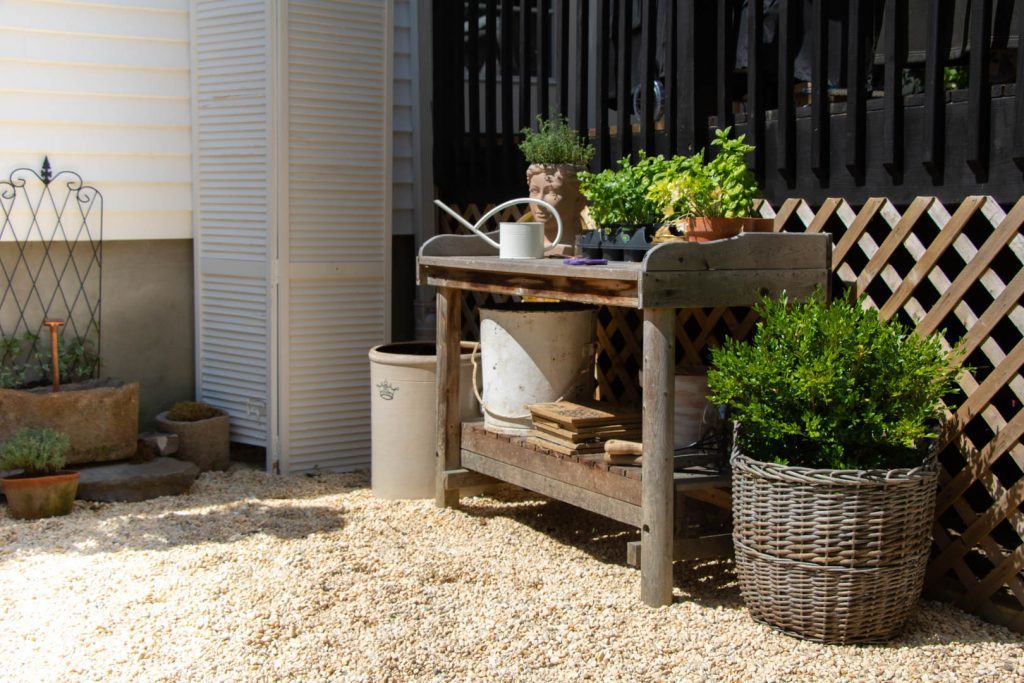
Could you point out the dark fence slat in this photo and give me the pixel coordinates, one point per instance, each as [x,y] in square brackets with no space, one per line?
[686,78]
[979,94]
[649,70]
[934,136]
[473,75]
[543,56]
[1018,134]
[671,119]
[563,26]
[725,57]
[462,150]
[895,56]
[755,85]
[577,74]
[491,89]
[602,139]
[624,100]
[785,128]
[856,97]
[525,57]
[820,117]
[507,123]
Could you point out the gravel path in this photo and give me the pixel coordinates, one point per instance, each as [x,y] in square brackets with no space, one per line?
[253,577]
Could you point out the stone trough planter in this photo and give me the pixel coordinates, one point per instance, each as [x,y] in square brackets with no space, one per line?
[206,443]
[100,417]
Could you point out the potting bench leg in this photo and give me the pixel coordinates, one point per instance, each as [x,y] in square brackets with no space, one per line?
[657,483]
[449,424]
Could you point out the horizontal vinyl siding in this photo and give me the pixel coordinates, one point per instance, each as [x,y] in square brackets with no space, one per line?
[102,88]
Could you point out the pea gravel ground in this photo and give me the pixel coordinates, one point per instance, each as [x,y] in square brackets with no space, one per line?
[255,577]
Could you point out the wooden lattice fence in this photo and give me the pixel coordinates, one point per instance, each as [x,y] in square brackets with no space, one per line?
[960,273]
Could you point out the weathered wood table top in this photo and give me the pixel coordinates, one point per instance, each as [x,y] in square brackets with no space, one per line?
[729,272]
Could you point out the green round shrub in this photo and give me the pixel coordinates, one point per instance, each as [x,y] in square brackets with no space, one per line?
[192,411]
[833,386]
[39,451]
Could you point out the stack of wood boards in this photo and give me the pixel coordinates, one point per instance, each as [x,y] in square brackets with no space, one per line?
[579,429]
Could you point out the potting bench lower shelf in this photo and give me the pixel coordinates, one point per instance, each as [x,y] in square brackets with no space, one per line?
[733,272]
[585,481]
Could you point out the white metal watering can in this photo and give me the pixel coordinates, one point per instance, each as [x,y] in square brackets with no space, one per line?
[517,240]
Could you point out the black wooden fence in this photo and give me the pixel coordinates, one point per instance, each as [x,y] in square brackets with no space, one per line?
[851,98]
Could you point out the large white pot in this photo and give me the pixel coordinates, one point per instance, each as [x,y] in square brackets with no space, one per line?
[534,353]
[403,414]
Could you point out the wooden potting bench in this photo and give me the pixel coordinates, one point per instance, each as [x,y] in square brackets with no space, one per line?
[674,275]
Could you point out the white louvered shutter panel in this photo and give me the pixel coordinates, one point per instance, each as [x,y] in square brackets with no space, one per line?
[336,296]
[234,209]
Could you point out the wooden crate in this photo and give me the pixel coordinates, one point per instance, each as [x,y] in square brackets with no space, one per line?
[960,273]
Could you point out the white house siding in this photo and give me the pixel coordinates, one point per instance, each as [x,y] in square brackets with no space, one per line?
[102,87]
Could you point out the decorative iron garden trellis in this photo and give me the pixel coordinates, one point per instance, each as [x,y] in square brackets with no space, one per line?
[51,234]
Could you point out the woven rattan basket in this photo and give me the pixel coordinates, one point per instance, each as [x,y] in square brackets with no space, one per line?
[831,556]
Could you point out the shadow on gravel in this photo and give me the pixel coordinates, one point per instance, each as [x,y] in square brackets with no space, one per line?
[103,532]
[707,582]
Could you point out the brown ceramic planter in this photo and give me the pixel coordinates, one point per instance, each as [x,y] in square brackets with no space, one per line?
[100,417]
[39,497]
[758,224]
[204,442]
[709,229]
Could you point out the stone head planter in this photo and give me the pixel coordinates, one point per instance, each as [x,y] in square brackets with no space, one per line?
[558,185]
[100,417]
[204,442]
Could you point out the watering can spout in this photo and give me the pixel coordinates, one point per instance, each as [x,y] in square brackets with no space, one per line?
[518,240]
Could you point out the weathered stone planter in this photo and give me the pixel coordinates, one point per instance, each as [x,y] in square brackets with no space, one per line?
[100,417]
[204,442]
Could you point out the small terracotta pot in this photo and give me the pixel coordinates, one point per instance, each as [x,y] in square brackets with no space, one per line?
[710,229]
[39,497]
[758,224]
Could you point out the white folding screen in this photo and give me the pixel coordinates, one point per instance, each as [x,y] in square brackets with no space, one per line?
[293,247]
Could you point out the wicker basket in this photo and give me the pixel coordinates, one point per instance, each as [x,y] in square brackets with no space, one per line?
[828,555]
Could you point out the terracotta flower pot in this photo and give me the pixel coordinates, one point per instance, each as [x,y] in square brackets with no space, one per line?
[38,497]
[709,229]
[206,442]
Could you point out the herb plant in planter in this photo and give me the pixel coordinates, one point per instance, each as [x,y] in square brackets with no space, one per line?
[204,433]
[619,203]
[556,154]
[709,200]
[43,489]
[833,482]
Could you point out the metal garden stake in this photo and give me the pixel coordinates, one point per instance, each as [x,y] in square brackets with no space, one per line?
[55,356]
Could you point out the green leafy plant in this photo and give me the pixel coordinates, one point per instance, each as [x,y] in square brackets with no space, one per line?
[724,187]
[192,411]
[39,451]
[620,196]
[25,362]
[555,142]
[954,77]
[832,386]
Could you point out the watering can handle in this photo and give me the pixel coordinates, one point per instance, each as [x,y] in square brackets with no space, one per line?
[512,202]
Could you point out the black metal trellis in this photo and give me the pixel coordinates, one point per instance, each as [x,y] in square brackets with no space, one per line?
[51,236]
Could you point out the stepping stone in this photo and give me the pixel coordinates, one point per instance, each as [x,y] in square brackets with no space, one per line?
[129,482]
